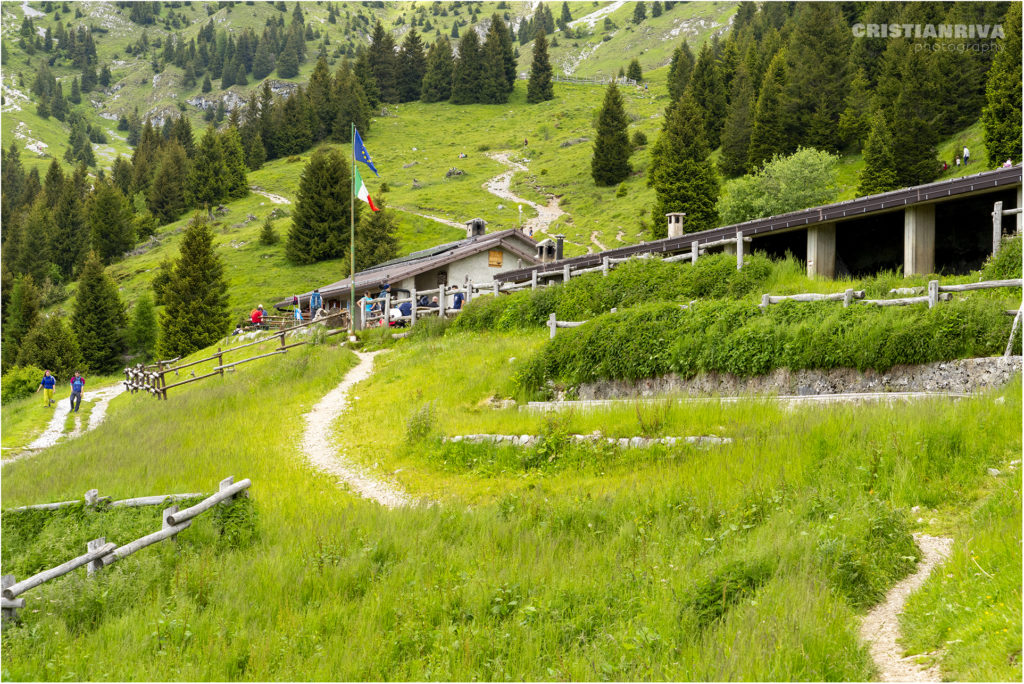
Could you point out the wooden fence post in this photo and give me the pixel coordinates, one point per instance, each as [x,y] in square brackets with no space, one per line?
[553,325]
[694,251]
[91,498]
[166,512]
[497,289]
[739,250]
[847,298]
[766,300]
[566,273]
[997,227]
[97,564]
[10,606]
[605,264]
[533,279]
[415,303]
[220,361]
[933,293]
[441,297]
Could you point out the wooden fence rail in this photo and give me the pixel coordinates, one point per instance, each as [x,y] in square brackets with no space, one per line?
[101,553]
[935,293]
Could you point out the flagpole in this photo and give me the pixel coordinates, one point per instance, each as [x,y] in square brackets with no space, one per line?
[352,234]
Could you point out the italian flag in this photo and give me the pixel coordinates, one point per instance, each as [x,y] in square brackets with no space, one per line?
[361,191]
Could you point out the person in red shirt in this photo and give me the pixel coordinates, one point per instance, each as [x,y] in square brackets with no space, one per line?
[256,317]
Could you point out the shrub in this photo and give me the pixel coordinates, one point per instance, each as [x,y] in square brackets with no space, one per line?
[1006,264]
[639,139]
[19,382]
[268,236]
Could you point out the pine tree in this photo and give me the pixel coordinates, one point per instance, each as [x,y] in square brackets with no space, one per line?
[110,222]
[504,35]
[209,173]
[376,240]
[69,238]
[12,177]
[437,81]
[76,93]
[610,163]
[196,313]
[320,99]
[288,62]
[22,314]
[353,107]
[207,85]
[98,319]
[36,232]
[320,222]
[639,12]
[142,330]
[768,138]
[51,345]
[682,174]
[263,63]
[1001,116]
[361,68]
[170,192]
[268,236]
[468,72]
[738,125]
[907,92]
[855,121]
[708,93]
[411,67]
[382,61]
[817,76]
[255,152]
[879,174]
[236,183]
[633,71]
[493,80]
[540,87]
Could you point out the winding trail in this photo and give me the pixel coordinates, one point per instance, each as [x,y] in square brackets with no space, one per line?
[881,627]
[501,185]
[320,448]
[274,199]
[55,428]
[593,238]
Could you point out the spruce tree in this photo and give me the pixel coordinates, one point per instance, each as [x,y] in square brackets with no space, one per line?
[504,36]
[53,184]
[50,344]
[288,61]
[236,183]
[268,236]
[98,319]
[353,107]
[207,85]
[320,223]
[22,314]
[36,231]
[682,174]
[855,121]
[738,125]
[633,71]
[142,330]
[879,174]
[540,87]
[639,12]
[768,137]
[263,62]
[376,240]
[170,192]
[383,63]
[412,65]
[437,80]
[708,93]
[468,72]
[610,163]
[196,313]
[1001,116]
[493,80]
[110,222]
[70,236]
[209,173]
[321,100]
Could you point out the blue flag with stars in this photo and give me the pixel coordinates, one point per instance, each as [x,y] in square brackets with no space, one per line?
[361,153]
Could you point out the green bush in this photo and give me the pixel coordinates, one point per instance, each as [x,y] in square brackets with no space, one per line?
[19,382]
[1007,262]
[739,338]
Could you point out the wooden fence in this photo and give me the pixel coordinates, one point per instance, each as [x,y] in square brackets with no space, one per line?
[153,378]
[101,553]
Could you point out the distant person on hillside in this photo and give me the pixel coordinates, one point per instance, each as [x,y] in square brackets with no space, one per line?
[457,298]
[967,156]
[957,160]
[297,308]
[256,316]
[47,384]
[945,166]
[1008,163]
[316,302]
[77,385]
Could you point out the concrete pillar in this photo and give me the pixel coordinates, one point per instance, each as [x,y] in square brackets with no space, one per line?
[730,248]
[919,239]
[821,250]
[675,224]
[1020,217]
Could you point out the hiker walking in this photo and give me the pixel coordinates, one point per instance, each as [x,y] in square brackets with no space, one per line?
[47,384]
[967,155]
[77,385]
[316,302]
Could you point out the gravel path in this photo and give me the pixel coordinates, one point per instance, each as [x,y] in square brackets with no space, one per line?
[501,185]
[274,199]
[593,238]
[881,627]
[322,452]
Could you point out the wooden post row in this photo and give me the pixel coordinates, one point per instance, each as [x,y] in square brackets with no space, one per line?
[997,226]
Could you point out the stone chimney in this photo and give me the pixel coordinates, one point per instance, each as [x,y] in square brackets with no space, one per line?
[475,227]
[559,240]
[675,224]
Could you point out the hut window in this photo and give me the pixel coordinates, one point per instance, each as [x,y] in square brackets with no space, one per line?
[494,258]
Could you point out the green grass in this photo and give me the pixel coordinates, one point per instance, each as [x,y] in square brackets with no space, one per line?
[22,420]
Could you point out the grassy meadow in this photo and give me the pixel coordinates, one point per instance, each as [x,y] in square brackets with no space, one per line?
[751,560]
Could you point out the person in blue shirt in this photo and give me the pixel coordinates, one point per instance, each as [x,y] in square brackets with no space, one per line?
[47,384]
[77,385]
[457,298]
[316,302]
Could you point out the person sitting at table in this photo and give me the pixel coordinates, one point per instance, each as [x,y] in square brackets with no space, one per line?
[433,303]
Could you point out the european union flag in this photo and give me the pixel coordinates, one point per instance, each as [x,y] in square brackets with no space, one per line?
[361,153]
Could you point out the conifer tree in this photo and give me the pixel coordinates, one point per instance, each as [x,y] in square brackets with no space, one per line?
[288,61]
[353,107]
[382,60]
[320,222]
[22,314]
[610,163]
[639,12]
[76,93]
[98,319]
[170,192]
[376,240]
[255,152]
[236,184]
[321,100]
[196,313]
[682,174]
[504,36]
[36,231]
[412,65]
[362,70]
[69,237]
[738,125]
[879,174]
[12,177]
[855,121]
[207,85]
[468,72]
[540,88]
[110,222]
[633,71]
[142,330]
[437,80]
[263,62]
[708,93]
[209,173]
[1001,116]
[268,236]
[51,345]
[493,80]
[768,138]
